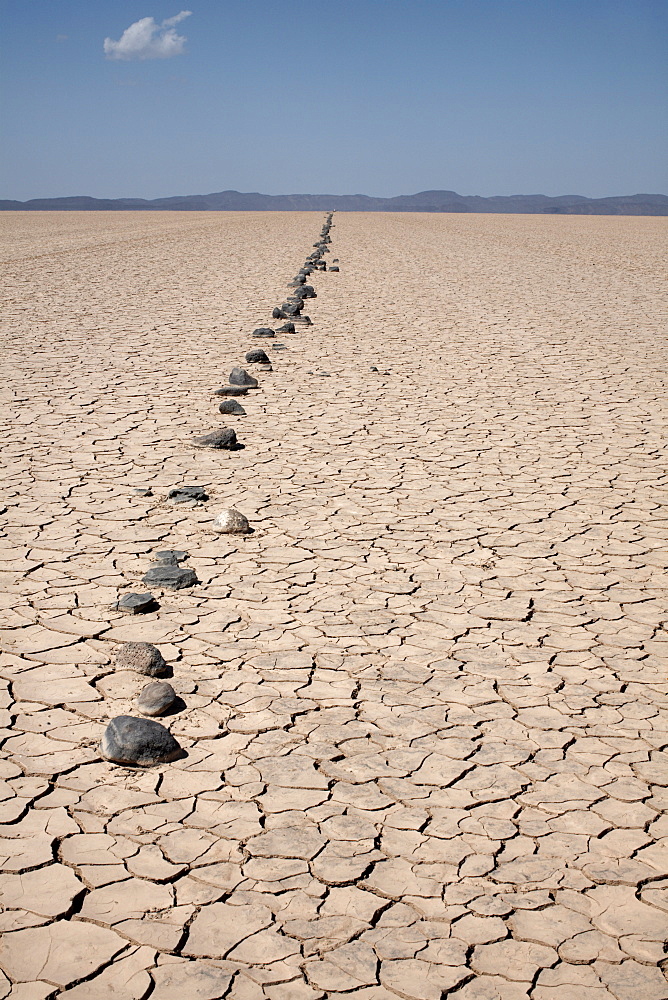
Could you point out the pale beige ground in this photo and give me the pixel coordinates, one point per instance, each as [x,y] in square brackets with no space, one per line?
[426,700]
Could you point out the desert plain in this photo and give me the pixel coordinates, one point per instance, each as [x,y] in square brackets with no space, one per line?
[423,704]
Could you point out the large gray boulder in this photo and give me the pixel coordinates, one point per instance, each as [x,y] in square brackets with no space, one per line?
[257,355]
[224,438]
[231,406]
[156,698]
[142,657]
[136,604]
[138,742]
[170,577]
[231,390]
[188,494]
[239,376]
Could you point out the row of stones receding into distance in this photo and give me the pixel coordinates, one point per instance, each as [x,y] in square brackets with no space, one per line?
[240,381]
[141,742]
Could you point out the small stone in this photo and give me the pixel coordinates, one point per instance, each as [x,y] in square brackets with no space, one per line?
[231,406]
[231,390]
[135,604]
[263,331]
[257,355]
[277,313]
[239,376]
[278,347]
[127,740]
[156,698]
[333,268]
[184,494]
[223,438]
[292,309]
[170,557]
[286,328]
[231,522]
[143,491]
[170,577]
[373,368]
[142,657]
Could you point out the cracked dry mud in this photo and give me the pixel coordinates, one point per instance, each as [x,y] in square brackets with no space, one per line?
[424,703]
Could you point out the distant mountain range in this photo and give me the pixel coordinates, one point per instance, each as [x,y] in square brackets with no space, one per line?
[425,201]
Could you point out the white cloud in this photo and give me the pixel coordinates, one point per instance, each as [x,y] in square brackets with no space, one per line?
[177,17]
[147,40]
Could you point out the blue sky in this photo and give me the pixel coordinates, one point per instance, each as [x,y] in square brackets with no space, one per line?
[381,97]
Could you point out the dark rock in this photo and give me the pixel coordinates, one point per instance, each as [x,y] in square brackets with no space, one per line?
[334,268]
[231,390]
[277,313]
[127,740]
[231,406]
[185,494]
[224,438]
[142,657]
[286,328]
[373,368]
[156,698]
[292,308]
[170,577]
[170,557]
[239,376]
[136,604]
[263,331]
[256,355]
[279,347]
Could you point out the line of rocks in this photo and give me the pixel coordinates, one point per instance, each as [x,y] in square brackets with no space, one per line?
[141,742]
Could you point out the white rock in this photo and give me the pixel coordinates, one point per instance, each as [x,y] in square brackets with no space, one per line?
[231,522]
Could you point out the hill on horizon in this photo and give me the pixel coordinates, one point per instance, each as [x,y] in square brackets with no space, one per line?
[424,201]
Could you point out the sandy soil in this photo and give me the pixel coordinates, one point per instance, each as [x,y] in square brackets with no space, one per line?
[424,704]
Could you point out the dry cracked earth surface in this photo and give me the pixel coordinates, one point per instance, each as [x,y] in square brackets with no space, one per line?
[423,705]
